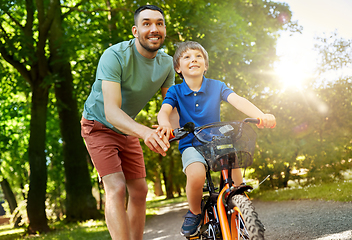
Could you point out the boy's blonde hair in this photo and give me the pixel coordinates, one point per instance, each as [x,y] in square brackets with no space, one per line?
[185,46]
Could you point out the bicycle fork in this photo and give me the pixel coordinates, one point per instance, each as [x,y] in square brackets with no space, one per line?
[233,231]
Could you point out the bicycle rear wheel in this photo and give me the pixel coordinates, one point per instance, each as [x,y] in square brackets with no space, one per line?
[253,229]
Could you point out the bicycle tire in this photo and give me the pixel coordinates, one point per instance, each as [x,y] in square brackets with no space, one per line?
[253,225]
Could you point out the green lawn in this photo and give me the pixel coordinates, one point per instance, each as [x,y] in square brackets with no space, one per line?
[94,230]
[97,230]
[328,191]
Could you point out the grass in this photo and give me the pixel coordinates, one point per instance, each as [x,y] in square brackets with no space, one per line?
[92,229]
[340,191]
[97,230]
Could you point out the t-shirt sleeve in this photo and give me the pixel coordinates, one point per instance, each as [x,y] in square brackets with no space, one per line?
[225,91]
[170,80]
[167,63]
[170,97]
[109,67]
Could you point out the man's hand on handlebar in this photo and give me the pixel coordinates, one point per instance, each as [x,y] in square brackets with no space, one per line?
[163,131]
[154,142]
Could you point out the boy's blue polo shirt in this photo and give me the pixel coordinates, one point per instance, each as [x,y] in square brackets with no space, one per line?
[200,107]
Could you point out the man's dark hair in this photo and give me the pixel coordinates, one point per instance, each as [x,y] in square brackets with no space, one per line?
[145,7]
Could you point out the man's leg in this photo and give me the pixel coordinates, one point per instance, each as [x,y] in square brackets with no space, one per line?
[115,213]
[137,190]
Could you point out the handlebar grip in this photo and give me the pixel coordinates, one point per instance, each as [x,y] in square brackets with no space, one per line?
[172,135]
[260,122]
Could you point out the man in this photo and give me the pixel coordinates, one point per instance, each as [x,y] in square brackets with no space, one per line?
[128,75]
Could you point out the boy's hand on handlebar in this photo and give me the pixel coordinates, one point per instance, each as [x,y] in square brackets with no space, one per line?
[163,131]
[268,121]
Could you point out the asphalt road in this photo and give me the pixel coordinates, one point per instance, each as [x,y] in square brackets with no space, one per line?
[303,220]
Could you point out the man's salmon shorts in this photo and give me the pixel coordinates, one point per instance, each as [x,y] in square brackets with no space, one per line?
[112,152]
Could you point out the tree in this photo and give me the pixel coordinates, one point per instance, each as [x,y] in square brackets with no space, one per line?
[80,203]
[13,143]
[37,76]
[29,27]
[55,47]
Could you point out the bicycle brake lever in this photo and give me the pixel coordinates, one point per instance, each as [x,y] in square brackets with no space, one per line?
[178,134]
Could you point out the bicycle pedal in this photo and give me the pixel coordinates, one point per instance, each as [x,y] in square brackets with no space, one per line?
[193,238]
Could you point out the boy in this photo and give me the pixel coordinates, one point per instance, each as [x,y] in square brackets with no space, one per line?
[197,100]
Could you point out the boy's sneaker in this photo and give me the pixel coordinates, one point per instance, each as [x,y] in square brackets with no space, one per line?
[191,224]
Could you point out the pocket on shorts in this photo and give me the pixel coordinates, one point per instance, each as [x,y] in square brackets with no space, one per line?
[87,127]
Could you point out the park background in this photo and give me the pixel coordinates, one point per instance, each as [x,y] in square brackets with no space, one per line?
[49,54]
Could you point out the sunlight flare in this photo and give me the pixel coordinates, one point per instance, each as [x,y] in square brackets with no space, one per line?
[291,75]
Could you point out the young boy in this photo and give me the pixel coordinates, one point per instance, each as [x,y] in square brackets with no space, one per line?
[197,100]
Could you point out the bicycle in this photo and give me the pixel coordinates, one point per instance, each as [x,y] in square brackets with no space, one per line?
[227,214]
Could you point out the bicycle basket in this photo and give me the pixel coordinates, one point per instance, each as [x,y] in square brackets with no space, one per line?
[233,142]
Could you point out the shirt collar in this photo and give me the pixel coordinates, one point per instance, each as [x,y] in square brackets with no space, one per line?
[187,91]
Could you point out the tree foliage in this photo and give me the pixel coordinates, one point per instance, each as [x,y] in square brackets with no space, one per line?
[50,50]
[312,137]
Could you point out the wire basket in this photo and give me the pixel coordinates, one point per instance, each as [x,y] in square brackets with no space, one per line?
[226,145]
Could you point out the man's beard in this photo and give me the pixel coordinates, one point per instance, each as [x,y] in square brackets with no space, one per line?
[149,46]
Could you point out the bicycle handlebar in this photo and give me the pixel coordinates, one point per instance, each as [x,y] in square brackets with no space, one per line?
[180,133]
[258,121]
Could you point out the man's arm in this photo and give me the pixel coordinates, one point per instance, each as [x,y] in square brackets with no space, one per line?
[120,120]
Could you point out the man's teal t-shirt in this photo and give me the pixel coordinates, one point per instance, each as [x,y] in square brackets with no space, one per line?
[140,79]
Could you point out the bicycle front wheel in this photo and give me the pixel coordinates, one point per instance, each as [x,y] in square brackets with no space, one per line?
[250,226]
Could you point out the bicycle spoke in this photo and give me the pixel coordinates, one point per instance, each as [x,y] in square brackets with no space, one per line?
[243,230]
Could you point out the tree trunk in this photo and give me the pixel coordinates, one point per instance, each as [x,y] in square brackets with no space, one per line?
[158,191]
[168,180]
[80,203]
[287,176]
[178,190]
[11,199]
[8,193]
[37,162]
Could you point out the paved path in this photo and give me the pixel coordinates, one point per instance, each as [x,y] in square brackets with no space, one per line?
[303,220]
[306,220]
[167,224]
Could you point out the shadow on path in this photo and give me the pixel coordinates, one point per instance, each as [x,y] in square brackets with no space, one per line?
[167,224]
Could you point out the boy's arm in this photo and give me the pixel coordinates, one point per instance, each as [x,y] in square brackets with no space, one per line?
[174,117]
[164,122]
[250,109]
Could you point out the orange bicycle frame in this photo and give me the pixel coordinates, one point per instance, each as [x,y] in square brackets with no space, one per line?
[224,225]
[227,234]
